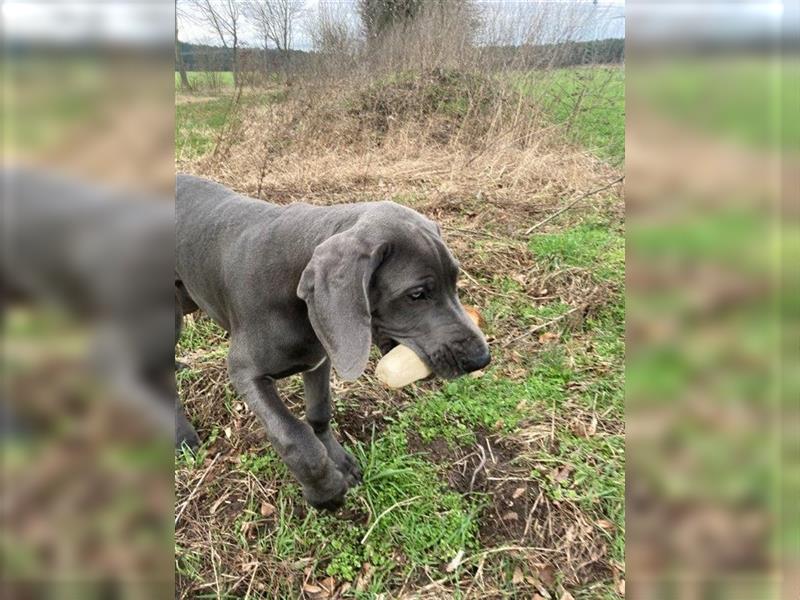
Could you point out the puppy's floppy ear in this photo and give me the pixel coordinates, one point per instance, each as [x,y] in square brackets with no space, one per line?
[335,287]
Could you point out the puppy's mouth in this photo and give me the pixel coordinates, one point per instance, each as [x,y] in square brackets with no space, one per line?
[386,344]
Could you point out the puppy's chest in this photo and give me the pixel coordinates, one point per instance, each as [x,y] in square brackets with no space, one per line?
[297,358]
[298,368]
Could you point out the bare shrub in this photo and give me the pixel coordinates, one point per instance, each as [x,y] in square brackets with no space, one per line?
[336,41]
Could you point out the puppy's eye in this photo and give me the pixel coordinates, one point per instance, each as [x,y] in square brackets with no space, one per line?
[417,295]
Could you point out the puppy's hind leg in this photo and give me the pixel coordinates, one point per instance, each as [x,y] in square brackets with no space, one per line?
[185,433]
[317,387]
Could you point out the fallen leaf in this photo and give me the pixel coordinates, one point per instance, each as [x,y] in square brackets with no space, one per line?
[267,509]
[518,492]
[453,564]
[621,587]
[567,596]
[510,516]
[329,583]
[583,429]
[520,279]
[547,576]
[562,474]
[605,524]
[311,588]
[228,432]
[363,579]
[498,424]
[476,374]
[548,337]
[475,315]
[517,577]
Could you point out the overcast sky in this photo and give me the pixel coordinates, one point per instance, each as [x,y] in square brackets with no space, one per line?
[606,18]
[151,21]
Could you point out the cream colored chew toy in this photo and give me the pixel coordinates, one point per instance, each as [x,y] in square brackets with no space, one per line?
[401,366]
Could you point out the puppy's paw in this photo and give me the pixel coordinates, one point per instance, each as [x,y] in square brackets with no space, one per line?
[348,466]
[328,493]
[186,436]
[345,462]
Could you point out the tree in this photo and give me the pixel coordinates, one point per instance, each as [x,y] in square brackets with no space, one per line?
[274,21]
[224,18]
[379,15]
[178,54]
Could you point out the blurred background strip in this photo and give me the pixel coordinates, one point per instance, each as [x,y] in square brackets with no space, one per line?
[87,242]
[712,157]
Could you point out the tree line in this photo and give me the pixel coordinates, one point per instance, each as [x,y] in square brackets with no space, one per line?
[203,57]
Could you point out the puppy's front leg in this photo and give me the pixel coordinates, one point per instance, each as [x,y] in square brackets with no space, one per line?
[317,387]
[307,458]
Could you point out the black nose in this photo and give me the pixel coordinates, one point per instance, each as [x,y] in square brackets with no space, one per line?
[477,360]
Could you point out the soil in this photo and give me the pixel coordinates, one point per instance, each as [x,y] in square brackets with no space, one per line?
[360,422]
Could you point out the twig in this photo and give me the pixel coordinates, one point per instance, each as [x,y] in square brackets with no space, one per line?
[489,291]
[542,326]
[480,466]
[250,585]
[384,513]
[479,233]
[507,549]
[573,203]
[194,491]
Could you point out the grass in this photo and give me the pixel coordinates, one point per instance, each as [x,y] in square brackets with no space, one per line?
[204,80]
[589,102]
[456,474]
[199,124]
[749,100]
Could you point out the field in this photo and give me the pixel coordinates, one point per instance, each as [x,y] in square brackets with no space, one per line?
[510,484]
[202,79]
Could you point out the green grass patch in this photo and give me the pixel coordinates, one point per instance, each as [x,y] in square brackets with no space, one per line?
[415,522]
[750,100]
[199,124]
[590,245]
[206,80]
[467,405]
[588,101]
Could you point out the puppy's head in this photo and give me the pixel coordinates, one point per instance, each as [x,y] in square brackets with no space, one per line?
[390,279]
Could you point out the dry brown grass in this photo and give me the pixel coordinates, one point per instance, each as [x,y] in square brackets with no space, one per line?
[439,136]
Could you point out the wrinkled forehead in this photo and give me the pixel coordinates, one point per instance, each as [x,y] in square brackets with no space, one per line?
[416,254]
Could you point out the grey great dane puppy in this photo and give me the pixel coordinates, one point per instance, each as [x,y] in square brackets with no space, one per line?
[301,288]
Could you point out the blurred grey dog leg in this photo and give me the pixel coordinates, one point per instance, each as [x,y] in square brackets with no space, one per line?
[105,257]
[10,424]
[185,433]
